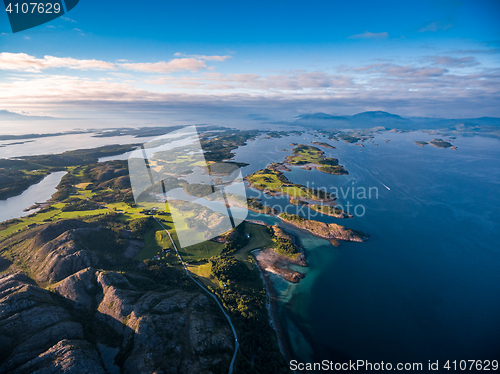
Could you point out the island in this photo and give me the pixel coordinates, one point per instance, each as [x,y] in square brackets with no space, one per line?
[438,143]
[272,181]
[312,157]
[323,144]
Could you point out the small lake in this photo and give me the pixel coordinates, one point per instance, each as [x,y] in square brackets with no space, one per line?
[38,193]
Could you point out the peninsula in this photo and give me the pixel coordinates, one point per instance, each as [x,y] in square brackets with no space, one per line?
[324,230]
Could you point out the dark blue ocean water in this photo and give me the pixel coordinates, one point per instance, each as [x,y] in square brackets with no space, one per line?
[426,286]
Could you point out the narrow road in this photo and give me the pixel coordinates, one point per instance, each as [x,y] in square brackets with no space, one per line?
[236,344]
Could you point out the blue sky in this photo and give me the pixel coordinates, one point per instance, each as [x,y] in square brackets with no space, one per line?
[425,58]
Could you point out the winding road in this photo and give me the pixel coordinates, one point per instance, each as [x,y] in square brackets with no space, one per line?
[236,344]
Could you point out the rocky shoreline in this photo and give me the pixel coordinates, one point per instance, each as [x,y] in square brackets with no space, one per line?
[275,263]
[324,230]
[272,308]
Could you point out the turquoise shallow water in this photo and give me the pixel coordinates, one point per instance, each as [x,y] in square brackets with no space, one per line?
[427,284]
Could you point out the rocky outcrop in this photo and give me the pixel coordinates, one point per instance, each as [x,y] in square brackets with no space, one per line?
[271,262]
[170,329]
[31,321]
[91,320]
[63,256]
[324,230]
[133,248]
[67,356]
[80,288]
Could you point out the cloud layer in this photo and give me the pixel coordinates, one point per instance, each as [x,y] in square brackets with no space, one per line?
[28,63]
[25,62]
[429,85]
[369,35]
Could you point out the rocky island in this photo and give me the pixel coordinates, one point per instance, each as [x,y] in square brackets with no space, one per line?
[272,181]
[325,145]
[309,156]
[438,143]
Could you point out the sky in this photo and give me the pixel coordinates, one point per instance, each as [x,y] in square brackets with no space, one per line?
[437,58]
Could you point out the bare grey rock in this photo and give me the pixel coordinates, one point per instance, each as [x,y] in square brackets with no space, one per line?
[31,321]
[67,356]
[140,325]
[133,248]
[80,287]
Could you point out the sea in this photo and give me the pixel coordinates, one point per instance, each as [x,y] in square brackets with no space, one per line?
[424,288]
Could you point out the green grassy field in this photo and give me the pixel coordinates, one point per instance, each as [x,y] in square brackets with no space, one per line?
[265,179]
[259,238]
[296,192]
[304,154]
[154,241]
[201,251]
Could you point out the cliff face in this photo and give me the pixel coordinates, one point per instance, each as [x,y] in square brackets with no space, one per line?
[91,320]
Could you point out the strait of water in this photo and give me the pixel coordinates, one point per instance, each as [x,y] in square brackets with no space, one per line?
[426,286]
[13,207]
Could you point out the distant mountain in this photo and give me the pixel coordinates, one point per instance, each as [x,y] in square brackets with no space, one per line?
[376,115]
[6,115]
[320,116]
[357,121]
[379,118]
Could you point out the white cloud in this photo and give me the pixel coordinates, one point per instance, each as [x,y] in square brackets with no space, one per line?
[68,19]
[177,64]
[204,57]
[25,62]
[28,63]
[454,62]
[369,35]
[435,26]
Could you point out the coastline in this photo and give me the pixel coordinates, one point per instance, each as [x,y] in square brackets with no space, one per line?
[272,308]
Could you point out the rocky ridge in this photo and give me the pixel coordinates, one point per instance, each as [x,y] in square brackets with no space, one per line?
[65,313]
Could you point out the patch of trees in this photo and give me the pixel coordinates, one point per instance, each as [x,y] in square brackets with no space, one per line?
[338,170]
[259,351]
[13,182]
[235,239]
[64,188]
[167,274]
[330,161]
[292,217]
[79,156]
[286,247]
[223,168]
[199,190]
[221,146]
[140,226]
[226,268]
[77,204]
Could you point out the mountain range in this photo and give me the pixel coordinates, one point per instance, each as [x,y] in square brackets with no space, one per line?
[372,119]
